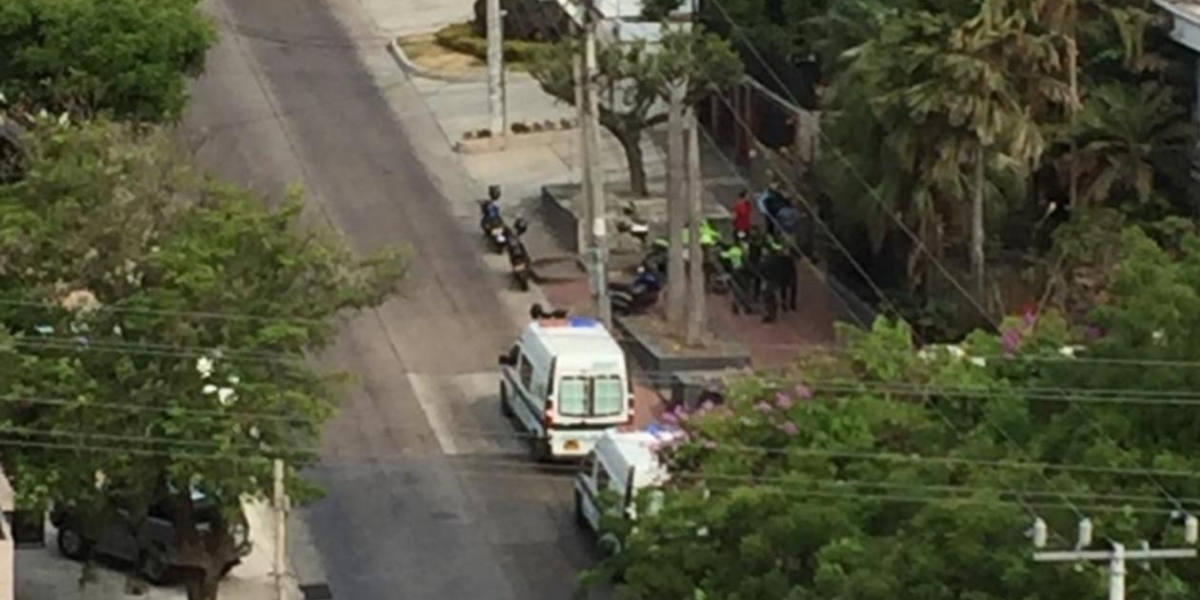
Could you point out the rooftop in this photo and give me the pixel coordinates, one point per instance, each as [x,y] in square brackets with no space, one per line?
[1186,17]
[577,335]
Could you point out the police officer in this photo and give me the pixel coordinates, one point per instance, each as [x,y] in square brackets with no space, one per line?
[769,268]
[733,260]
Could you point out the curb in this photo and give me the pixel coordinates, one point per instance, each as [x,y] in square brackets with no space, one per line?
[408,66]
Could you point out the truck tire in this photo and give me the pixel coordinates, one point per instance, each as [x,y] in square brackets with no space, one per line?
[71,542]
[580,519]
[505,408]
[540,448]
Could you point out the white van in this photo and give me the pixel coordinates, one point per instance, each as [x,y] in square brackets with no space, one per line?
[565,381]
[623,463]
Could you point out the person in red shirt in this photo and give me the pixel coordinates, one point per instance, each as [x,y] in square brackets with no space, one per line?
[742,213]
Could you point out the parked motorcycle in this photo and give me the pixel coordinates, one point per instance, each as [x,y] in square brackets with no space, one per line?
[518,256]
[636,297]
[491,222]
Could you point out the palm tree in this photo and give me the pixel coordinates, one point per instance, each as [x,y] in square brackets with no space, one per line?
[954,100]
[1124,133]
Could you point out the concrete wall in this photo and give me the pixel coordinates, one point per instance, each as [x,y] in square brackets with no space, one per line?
[6,543]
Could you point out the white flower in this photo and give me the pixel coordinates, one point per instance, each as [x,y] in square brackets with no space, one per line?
[226,396]
[64,119]
[1070,351]
[44,329]
[210,389]
[101,479]
[956,351]
[979,361]
[702,532]
[254,432]
[1159,336]
[117,330]
[204,366]
[83,301]
[234,380]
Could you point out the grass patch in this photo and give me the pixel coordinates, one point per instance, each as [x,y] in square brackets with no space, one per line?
[426,52]
[461,38]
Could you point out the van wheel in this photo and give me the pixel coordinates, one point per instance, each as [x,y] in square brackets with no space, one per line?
[580,520]
[505,409]
[541,449]
[71,543]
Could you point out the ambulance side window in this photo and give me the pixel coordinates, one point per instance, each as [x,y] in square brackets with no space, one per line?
[526,373]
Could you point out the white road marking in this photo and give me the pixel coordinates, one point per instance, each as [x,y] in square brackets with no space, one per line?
[425,389]
[463,412]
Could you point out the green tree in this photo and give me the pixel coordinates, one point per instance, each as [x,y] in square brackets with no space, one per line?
[170,314]
[860,477]
[955,101]
[1125,133]
[633,79]
[128,58]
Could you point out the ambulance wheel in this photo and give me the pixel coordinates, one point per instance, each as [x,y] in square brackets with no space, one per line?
[505,409]
[580,520]
[540,449]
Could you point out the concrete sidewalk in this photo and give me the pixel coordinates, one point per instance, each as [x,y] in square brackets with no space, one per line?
[44,574]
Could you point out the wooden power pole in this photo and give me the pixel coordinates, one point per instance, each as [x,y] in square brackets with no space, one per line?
[594,177]
[495,60]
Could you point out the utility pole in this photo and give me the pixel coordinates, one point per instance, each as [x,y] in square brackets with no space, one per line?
[280,504]
[676,207]
[695,194]
[495,59]
[593,177]
[583,234]
[1115,557]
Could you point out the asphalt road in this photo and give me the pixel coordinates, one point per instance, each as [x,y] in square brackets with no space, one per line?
[429,495]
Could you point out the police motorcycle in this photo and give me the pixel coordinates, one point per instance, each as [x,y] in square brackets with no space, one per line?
[716,279]
[636,297]
[491,222]
[518,256]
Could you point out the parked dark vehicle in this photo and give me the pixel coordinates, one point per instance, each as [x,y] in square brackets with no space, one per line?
[151,546]
[518,256]
[491,222]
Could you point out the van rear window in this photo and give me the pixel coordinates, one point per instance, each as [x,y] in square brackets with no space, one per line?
[573,397]
[608,397]
[590,396]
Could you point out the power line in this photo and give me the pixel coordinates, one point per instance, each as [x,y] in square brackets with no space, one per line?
[190,314]
[737,480]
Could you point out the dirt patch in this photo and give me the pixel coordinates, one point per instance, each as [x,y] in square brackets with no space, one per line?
[657,331]
[424,51]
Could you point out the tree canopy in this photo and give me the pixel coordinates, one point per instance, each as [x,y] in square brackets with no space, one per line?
[161,320]
[931,108]
[634,80]
[893,472]
[127,58]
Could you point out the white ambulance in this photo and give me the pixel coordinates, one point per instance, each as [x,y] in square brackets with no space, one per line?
[623,464]
[565,382]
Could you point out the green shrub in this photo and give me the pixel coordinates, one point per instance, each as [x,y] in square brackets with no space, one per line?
[461,37]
